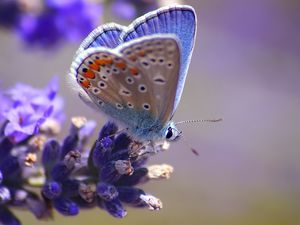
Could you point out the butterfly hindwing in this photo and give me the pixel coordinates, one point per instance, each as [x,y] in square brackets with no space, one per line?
[177,20]
[157,60]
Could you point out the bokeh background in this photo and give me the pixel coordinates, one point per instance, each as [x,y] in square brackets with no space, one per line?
[246,70]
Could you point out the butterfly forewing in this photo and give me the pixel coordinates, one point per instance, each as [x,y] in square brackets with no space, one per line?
[141,75]
[179,20]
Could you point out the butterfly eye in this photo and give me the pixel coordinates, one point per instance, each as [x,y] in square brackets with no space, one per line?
[172,134]
[169,133]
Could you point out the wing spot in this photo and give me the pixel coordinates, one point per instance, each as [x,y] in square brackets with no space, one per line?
[142,88]
[104,62]
[134,71]
[133,58]
[85,83]
[115,70]
[125,92]
[170,65]
[119,106]
[161,61]
[101,103]
[146,106]
[150,50]
[128,52]
[153,60]
[145,64]
[170,44]
[121,65]
[129,80]
[142,53]
[104,77]
[94,66]
[138,48]
[158,43]
[102,84]
[89,74]
[130,105]
[159,80]
[96,90]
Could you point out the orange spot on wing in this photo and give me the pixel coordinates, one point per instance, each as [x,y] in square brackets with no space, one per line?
[85,83]
[134,71]
[133,58]
[104,61]
[142,53]
[94,66]
[109,60]
[89,74]
[121,65]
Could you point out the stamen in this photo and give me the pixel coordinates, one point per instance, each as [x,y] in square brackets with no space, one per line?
[162,171]
[152,202]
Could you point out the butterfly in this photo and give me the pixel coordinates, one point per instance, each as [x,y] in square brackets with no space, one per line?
[136,74]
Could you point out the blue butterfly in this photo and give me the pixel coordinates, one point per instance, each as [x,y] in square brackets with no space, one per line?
[136,74]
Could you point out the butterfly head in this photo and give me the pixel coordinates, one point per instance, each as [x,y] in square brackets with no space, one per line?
[172,133]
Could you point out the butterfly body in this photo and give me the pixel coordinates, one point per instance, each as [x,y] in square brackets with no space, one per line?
[136,74]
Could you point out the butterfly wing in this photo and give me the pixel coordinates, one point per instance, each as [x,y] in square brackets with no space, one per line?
[134,83]
[107,35]
[179,20]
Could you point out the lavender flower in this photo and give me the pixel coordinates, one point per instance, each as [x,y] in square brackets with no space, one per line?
[9,13]
[124,9]
[69,175]
[30,109]
[59,21]
[23,110]
[105,176]
[129,9]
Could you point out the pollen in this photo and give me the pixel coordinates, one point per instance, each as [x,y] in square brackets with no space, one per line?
[30,159]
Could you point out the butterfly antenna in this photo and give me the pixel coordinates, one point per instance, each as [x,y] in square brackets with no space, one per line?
[194,151]
[199,121]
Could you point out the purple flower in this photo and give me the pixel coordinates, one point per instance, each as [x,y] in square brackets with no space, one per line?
[107,174]
[124,9]
[5,105]
[60,21]
[22,122]
[39,30]
[129,9]
[31,108]
[9,13]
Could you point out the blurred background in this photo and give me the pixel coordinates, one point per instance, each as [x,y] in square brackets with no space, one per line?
[245,69]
